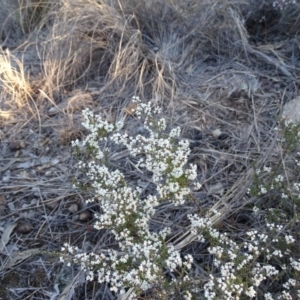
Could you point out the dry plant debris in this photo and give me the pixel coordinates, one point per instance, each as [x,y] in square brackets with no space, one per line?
[223,71]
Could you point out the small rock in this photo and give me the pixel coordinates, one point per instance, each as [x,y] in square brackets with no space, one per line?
[22,144]
[53,111]
[24,228]
[85,216]
[14,146]
[291,110]
[73,208]
[52,204]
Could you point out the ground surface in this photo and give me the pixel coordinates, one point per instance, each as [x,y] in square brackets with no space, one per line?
[221,71]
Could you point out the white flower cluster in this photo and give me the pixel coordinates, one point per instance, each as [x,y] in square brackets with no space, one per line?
[235,262]
[163,158]
[99,129]
[142,254]
[199,225]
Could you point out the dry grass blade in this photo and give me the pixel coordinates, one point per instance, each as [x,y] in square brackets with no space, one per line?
[18,257]
[6,236]
[13,81]
[183,241]
[127,295]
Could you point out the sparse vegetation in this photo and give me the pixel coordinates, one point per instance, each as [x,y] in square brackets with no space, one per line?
[195,184]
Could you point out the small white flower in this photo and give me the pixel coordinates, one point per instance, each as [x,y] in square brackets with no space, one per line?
[263,190]
[289,239]
[251,292]
[187,295]
[268,296]
[255,210]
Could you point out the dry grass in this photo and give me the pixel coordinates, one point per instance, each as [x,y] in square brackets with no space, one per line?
[127,44]
[14,83]
[209,64]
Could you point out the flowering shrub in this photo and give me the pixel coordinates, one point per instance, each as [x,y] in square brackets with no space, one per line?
[277,190]
[242,266]
[143,255]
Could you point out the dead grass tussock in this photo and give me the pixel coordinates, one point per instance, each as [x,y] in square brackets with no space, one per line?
[32,12]
[25,14]
[17,98]
[14,81]
[133,43]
